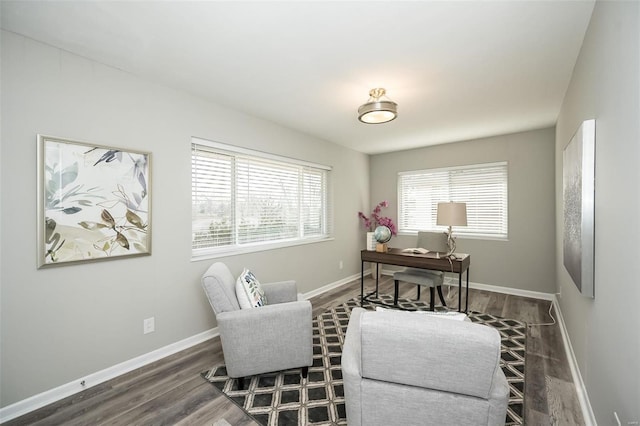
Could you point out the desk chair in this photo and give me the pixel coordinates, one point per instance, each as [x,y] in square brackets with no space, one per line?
[432,241]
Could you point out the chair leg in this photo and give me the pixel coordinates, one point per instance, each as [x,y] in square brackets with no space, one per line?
[431,299]
[305,372]
[441,296]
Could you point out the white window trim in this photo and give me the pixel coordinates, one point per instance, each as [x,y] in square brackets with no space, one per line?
[458,231]
[225,251]
[219,252]
[255,153]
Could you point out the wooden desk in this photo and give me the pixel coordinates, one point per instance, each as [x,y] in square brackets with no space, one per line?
[396,257]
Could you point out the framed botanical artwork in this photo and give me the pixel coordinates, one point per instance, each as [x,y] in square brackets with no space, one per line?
[578,196]
[94,202]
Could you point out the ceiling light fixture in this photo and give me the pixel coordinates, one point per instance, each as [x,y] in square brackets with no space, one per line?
[376,110]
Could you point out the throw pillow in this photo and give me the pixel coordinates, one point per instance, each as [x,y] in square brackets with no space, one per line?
[249,291]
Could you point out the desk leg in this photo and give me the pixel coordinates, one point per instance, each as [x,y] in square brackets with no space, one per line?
[361,283]
[466,303]
[460,291]
[377,277]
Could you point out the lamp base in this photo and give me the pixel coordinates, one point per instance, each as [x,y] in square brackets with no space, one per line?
[451,242]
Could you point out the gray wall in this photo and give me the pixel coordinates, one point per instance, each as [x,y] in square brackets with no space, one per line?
[526,261]
[63,323]
[604,331]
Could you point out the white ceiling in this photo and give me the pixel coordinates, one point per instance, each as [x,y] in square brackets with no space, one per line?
[458,70]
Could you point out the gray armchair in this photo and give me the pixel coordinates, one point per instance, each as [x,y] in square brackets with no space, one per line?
[439,372]
[269,338]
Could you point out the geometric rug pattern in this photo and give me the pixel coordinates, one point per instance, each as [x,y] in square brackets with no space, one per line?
[283,398]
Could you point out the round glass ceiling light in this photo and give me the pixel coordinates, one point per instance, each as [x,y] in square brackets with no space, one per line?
[376,110]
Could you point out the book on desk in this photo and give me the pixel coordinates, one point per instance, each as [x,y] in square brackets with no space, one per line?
[416,250]
[438,255]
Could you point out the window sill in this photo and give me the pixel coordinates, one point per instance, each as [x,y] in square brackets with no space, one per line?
[234,251]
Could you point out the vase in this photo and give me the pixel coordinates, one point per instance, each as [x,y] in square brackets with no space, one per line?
[371,241]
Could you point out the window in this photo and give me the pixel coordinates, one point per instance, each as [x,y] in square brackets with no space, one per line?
[483,187]
[244,200]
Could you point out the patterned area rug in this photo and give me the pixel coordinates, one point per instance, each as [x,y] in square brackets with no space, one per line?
[282,398]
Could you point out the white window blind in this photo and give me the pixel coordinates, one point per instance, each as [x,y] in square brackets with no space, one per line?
[482,187]
[244,198]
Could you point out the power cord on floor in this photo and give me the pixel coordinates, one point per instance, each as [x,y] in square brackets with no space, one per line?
[547,323]
[528,325]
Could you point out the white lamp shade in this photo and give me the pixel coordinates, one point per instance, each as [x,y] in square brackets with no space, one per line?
[452,214]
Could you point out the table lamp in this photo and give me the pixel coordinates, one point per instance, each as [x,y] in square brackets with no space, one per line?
[451,214]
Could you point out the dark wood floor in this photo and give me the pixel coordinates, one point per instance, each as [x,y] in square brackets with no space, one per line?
[171,391]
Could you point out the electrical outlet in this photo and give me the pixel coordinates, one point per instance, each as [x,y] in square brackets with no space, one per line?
[149,325]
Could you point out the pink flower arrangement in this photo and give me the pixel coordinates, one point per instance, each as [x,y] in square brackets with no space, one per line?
[375,220]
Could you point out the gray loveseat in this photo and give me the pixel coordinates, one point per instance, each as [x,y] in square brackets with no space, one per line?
[409,368]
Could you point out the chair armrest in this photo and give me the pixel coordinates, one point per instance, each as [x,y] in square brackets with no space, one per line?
[351,368]
[352,348]
[267,338]
[263,319]
[280,292]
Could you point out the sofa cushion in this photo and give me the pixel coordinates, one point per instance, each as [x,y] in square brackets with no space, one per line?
[249,291]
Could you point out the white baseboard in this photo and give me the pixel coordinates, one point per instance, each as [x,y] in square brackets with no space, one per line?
[505,290]
[453,281]
[45,398]
[42,399]
[583,398]
[331,286]
[581,390]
